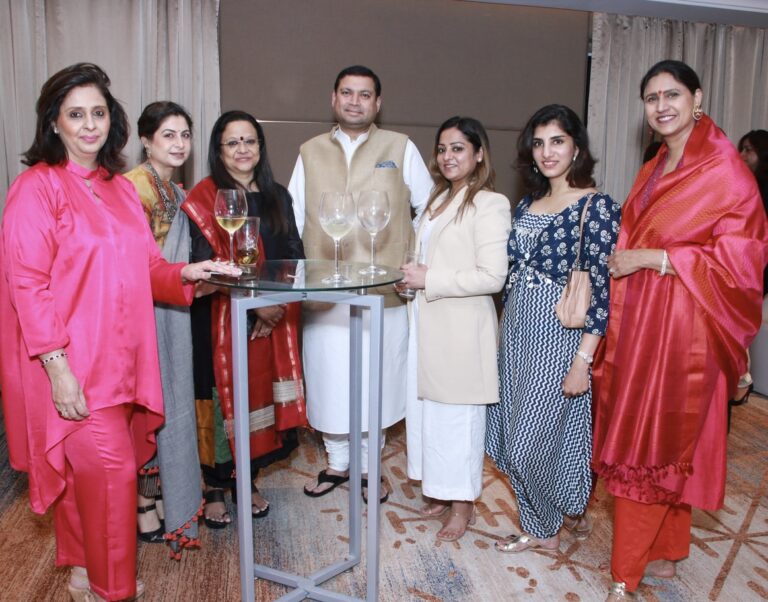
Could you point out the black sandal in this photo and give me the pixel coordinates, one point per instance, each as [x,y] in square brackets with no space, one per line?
[259,513]
[324,477]
[364,483]
[156,536]
[213,496]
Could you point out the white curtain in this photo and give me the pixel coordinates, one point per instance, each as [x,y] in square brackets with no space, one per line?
[151,50]
[732,64]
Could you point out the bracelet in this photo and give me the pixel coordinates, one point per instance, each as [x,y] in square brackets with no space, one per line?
[56,356]
[664,263]
[585,356]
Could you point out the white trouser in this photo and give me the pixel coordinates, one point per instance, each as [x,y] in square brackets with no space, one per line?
[337,448]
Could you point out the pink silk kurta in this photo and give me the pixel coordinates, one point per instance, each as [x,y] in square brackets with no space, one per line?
[78,270]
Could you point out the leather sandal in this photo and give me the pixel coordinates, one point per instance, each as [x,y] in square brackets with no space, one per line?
[433,510]
[213,496]
[323,477]
[84,593]
[260,513]
[618,591]
[156,536]
[572,525]
[364,485]
[519,543]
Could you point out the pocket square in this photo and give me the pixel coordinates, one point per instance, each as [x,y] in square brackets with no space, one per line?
[386,165]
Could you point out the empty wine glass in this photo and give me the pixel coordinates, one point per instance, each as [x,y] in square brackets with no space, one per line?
[337,216]
[247,244]
[373,213]
[230,209]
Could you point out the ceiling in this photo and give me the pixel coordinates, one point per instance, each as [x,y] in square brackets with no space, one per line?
[751,13]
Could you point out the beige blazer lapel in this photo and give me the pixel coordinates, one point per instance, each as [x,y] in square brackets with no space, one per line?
[441,222]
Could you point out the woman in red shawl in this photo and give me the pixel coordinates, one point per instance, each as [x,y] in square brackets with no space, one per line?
[237,158]
[685,303]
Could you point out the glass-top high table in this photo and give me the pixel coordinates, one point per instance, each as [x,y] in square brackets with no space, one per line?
[286,281]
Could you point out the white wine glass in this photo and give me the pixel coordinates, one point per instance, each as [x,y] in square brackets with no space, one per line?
[230,209]
[337,216]
[373,212]
[247,245]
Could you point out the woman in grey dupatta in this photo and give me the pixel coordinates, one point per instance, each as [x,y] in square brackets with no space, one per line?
[165,129]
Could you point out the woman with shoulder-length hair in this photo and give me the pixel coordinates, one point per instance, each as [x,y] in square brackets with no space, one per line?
[462,238]
[237,159]
[79,269]
[686,301]
[540,433]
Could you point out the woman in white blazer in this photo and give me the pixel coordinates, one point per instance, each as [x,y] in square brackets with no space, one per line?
[462,239]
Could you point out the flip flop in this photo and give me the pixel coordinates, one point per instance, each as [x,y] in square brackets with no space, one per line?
[324,477]
[382,499]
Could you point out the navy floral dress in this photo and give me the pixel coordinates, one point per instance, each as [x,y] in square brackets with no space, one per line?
[539,438]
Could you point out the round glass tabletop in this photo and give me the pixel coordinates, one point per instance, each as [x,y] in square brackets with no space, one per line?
[306,275]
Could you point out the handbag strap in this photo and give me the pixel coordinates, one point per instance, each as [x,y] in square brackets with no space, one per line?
[577,261]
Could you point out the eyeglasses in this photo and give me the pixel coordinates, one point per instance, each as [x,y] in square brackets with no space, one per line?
[234,143]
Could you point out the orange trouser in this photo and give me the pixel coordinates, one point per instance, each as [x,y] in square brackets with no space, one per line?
[646,532]
[95,517]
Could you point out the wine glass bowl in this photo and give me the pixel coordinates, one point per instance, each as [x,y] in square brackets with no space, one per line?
[247,245]
[373,211]
[337,216]
[230,209]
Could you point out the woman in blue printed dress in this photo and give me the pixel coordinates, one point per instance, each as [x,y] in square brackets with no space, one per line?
[540,434]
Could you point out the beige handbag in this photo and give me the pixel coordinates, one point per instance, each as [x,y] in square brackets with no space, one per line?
[574,302]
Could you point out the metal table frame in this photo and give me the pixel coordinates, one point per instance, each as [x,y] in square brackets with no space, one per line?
[310,586]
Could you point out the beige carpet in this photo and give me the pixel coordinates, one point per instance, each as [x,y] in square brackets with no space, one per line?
[728,561]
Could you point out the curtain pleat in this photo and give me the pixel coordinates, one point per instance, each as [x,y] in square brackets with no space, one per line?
[731,63]
[151,50]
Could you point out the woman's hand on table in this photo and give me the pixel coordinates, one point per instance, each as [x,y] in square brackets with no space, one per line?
[203,270]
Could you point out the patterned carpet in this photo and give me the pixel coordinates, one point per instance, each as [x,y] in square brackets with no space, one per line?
[728,561]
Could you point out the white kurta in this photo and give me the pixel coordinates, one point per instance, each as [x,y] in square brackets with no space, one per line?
[326,333]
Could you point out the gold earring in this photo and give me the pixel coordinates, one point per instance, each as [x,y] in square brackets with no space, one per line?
[149,152]
[698,112]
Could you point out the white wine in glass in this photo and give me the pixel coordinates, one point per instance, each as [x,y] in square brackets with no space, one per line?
[373,213]
[230,209]
[337,216]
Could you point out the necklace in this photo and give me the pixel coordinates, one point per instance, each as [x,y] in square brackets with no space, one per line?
[89,186]
[171,206]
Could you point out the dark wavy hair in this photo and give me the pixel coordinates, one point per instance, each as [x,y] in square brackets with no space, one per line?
[48,147]
[484,176]
[758,139]
[155,113]
[580,172]
[272,212]
[677,69]
[359,71]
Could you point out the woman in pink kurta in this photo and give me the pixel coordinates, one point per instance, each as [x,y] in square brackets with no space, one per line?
[79,372]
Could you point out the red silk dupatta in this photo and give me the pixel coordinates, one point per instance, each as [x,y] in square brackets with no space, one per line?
[675,345]
[275,382]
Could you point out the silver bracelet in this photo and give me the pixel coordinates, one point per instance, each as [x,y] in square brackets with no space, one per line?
[664,263]
[585,356]
[55,356]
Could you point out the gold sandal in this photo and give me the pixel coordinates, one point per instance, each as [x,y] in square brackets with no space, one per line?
[571,524]
[618,591]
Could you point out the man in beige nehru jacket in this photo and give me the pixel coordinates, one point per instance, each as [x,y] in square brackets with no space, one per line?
[355,156]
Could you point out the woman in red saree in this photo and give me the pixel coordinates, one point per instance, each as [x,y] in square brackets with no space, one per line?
[685,303]
[237,158]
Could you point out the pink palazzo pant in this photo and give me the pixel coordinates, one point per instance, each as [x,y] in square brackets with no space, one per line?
[95,517]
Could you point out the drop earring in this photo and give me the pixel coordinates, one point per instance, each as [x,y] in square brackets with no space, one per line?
[535,169]
[55,130]
[698,112]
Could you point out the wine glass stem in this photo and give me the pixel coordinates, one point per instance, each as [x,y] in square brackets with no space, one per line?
[336,273]
[231,249]
[373,251]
